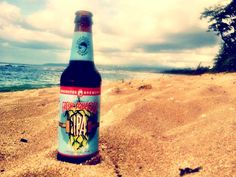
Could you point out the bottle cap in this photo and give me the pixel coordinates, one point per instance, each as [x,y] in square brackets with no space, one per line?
[83,13]
[83,17]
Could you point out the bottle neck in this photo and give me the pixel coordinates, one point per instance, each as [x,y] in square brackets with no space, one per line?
[83,27]
[82,43]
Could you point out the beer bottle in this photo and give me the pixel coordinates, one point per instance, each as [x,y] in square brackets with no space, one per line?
[79,97]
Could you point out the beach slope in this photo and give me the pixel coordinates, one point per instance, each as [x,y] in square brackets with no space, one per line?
[156,127]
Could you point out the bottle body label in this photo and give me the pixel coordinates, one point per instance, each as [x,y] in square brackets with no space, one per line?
[78,121]
[82,46]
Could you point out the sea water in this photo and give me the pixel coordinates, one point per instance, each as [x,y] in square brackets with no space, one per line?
[14,77]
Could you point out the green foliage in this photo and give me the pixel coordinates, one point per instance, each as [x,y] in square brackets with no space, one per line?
[222,21]
[189,71]
[225,60]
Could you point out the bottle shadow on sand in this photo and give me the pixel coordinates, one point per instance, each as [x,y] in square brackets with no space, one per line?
[97,159]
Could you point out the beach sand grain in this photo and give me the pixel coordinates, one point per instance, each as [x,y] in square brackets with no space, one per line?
[148,128]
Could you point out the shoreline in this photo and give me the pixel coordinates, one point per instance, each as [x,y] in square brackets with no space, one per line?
[105,81]
[150,75]
[149,127]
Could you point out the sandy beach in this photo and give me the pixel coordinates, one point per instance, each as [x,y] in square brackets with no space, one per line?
[149,128]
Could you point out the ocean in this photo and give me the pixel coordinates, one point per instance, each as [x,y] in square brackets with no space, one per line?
[15,77]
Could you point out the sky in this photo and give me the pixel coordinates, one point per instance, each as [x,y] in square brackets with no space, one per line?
[125,32]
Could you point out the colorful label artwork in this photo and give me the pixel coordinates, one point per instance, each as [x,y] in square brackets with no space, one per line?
[79,120]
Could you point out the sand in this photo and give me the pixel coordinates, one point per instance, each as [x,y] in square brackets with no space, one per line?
[148,128]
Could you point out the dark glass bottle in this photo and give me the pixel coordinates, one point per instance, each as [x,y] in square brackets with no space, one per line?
[80,97]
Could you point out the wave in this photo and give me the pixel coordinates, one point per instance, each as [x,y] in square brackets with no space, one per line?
[25,87]
[14,77]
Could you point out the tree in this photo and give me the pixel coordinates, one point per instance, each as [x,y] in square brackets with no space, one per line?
[222,21]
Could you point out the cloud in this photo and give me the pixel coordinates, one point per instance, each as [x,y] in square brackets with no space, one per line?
[9,13]
[19,35]
[181,41]
[27,55]
[109,50]
[32,45]
[124,32]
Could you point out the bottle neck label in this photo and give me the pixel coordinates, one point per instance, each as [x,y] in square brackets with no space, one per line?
[82,46]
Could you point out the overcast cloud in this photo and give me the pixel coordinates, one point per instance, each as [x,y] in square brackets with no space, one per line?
[150,32]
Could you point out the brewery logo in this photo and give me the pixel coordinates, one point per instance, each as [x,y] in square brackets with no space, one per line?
[82,45]
[80,92]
